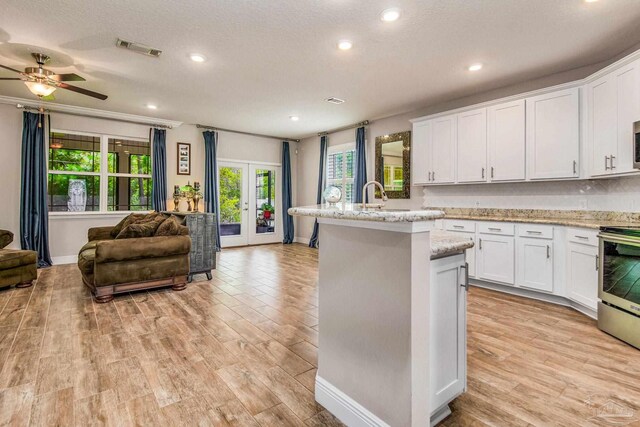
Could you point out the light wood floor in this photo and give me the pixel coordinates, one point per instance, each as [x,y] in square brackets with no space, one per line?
[240,350]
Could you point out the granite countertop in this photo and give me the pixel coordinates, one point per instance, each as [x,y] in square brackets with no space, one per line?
[444,243]
[352,211]
[571,218]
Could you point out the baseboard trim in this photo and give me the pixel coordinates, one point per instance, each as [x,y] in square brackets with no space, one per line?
[344,407]
[68,259]
[302,240]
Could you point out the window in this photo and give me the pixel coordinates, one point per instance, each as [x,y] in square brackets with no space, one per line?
[340,172]
[89,172]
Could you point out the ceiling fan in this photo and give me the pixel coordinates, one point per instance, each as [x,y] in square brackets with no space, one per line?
[42,82]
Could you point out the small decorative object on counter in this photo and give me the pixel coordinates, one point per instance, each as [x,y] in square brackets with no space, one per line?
[197,195]
[187,193]
[267,210]
[176,198]
[332,194]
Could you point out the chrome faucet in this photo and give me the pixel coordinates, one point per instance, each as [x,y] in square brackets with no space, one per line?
[382,192]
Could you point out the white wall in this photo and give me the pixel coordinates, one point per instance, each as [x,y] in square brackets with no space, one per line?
[67,234]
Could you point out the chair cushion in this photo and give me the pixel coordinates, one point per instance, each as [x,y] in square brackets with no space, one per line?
[129,219]
[172,226]
[12,258]
[145,227]
[6,237]
[86,259]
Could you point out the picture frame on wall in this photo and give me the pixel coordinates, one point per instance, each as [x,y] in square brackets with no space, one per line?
[184,158]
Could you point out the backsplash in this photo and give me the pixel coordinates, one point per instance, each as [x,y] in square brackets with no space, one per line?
[616,194]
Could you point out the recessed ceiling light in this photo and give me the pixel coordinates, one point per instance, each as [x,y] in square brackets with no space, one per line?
[345,45]
[390,15]
[294,118]
[196,57]
[152,107]
[475,67]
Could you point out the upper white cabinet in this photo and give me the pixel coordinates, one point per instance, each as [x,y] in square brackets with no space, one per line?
[443,149]
[472,146]
[553,135]
[613,105]
[420,156]
[506,141]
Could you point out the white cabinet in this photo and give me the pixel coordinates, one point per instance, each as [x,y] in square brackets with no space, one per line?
[495,258]
[472,146]
[420,157]
[506,141]
[534,261]
[447,330]
[553,135]
[582,274]
[613,105]
[442,149]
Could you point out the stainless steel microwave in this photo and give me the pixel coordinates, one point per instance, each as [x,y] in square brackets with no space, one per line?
[636,145]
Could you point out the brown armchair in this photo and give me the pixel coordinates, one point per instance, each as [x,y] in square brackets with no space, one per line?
[110,266]
[17,267]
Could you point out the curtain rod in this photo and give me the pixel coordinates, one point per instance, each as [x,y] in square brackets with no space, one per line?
[246,133]
[355,125]
[44,110]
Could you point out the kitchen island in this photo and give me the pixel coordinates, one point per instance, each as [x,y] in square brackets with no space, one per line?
[392,337]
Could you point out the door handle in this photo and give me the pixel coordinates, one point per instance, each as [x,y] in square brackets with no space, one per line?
[548,252]
[491,171]
[465,285]
[606,163]
[480,244]
[575,167]
[482,173]
[612,157]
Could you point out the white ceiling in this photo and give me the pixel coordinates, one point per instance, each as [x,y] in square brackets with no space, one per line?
[268,60]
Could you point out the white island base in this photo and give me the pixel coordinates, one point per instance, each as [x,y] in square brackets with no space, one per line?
[392,337]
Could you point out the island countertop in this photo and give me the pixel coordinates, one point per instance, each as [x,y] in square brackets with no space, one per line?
[445,243]
[353,211]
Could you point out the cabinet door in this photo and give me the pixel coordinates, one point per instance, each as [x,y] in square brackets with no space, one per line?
[495,258]
[535,264]
[553,135]
[447,330]
[582,274]
[506,141]
[443,145]
[602,123]
[420,153]
[471,252]
[472,146]
[628,85]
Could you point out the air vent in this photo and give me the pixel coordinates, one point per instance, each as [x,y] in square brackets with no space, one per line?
[335,100]
[139,48]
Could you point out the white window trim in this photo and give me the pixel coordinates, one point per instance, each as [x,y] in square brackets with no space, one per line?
[103,174]
[341,148]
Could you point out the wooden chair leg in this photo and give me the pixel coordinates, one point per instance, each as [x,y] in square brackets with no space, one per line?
[104,299]
[24,284]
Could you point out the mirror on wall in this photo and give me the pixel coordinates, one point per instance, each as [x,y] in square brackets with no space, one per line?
[393,164]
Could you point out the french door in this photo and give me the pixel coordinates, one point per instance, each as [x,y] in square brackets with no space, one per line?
[250,203]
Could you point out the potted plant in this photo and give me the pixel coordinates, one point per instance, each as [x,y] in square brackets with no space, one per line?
[267,210]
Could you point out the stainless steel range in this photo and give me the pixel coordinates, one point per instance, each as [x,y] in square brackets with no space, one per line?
[619,283]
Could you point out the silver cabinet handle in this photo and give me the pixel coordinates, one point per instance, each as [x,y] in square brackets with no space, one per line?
[606,163]
[575,167]
[465,285]
[429,176]
[597,262]
[459,227]
[582,237]
[433,176]
[480,244]
[548,252]
[495,229]
[482,173]
[534,232]
[612,157]
[491,171]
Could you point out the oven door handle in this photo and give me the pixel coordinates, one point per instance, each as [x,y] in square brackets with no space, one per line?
[617,239]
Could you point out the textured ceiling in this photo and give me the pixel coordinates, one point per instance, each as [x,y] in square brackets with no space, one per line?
[268,60]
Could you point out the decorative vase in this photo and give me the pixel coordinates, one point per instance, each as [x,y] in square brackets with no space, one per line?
[176,203]
[196,202]
[188,205]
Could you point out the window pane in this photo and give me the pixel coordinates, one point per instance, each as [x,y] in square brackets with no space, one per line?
[351,165]
[230,199]
[129,194]
[348,197]
[127,156]
[73,193]
[74,153]
[265,200]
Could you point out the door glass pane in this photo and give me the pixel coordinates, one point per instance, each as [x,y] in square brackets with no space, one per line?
[265,201]
[73,193]
[230,201]
[129,194]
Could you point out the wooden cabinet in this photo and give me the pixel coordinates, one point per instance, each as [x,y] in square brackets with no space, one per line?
[472,146]
[442,149]
[553,135]
[447,330]
[506,141]
[582,274]
[495,258]
[420,157]
[534,261]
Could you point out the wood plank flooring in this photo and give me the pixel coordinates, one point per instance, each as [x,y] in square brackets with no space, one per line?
[240,350]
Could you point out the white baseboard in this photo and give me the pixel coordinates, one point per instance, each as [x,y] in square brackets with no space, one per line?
[343,407]
[302,240]
[68,259]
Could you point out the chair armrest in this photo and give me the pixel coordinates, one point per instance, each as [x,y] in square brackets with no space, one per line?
[100,233]
[6,237]
[141,247]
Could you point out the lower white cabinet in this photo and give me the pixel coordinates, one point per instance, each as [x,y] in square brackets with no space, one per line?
[582,274]
[534,260]
[495,258]
[448,330]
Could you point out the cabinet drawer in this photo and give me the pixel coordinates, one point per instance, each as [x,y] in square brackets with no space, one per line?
[584,236]
[458,225]
[502,228]
[535,231]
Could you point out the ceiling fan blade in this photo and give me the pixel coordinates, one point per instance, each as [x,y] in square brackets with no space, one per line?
[67,78]
[82,91]
[10,78]
[10,69]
